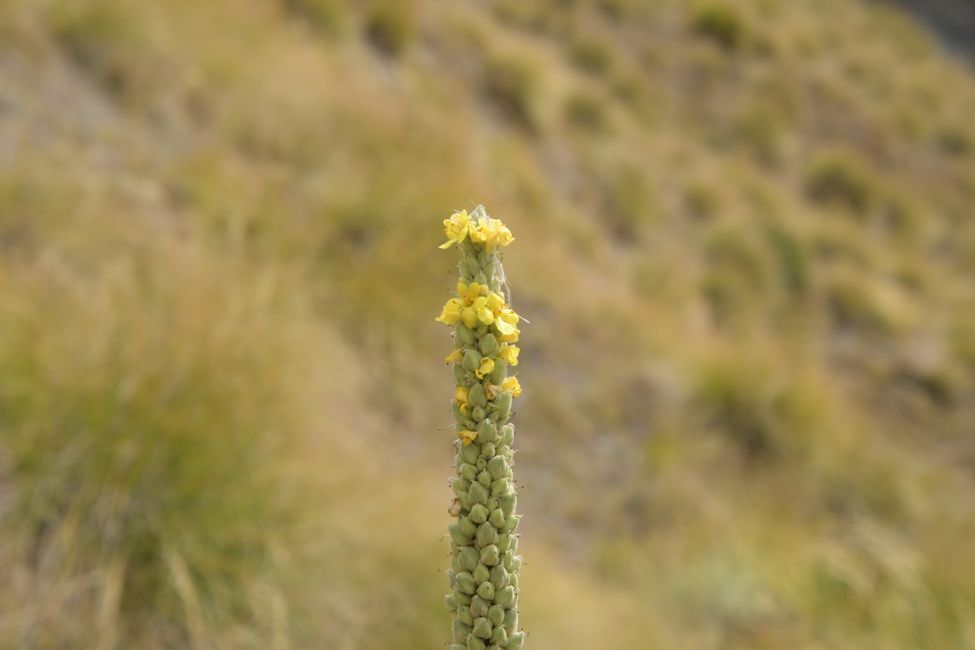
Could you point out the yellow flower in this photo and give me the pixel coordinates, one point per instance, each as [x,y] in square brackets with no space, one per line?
[469,292]
[484,314]
[486,367]
[451,312]
[469,316]
[479,232]
[511,383]
[467,436]
[503,236]
[495,234]
[506,321]
[455,228]
[510,354]
[461,396]
[454,357]
[510,338]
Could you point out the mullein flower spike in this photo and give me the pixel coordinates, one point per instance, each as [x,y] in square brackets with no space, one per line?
[483,575]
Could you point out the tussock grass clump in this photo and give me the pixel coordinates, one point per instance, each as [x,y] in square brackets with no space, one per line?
[512,84]
[720,22]
[151,407]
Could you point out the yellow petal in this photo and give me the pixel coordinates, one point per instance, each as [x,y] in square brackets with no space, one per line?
[467,436]
[510,354]
[469,316]
[461,394]
[486,367]
[494,302]
[511,384]
[504,327]
[454,357]
[509,338]
[486,316]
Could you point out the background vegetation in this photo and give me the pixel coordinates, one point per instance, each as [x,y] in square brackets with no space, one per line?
[745,247]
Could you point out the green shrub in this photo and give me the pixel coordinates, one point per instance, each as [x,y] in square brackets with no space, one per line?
[719,22]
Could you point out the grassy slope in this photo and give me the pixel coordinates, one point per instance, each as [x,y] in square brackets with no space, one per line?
[746,254]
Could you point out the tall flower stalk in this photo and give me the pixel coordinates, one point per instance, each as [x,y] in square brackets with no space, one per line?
[483,576]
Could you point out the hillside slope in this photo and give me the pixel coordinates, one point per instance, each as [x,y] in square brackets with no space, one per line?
[744,243]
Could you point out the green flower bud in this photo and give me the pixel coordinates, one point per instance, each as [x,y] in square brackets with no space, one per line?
[460,631]
[486,590]
[502,406]
[499,577]
[497,518]
[487,449]
[487,431]
[464,334]
[480,463]
[457,646]
[464,616]
[478,413]
[497,466]
[481,574]
[474,643]
[477,396]
[465,583]
[460,374]
[468,471]
[499,637]
[513,580]
[510,622]
[505,597]
[472,359]
[479,606]
[499,487]
[467,527]
[490,556]
[492,503]
[496,615]
[508,434]
[482,628]
[460,485]
[486,534]
[468,558]
[488,345]
[460,538]
[504,543]
[500,371]
[470,453]
[508,503]
[484,478]
[479,514]
[462,599]
[477,493]
[515,641]
[511,524]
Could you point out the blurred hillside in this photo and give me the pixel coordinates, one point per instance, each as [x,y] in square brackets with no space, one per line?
[744,243]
